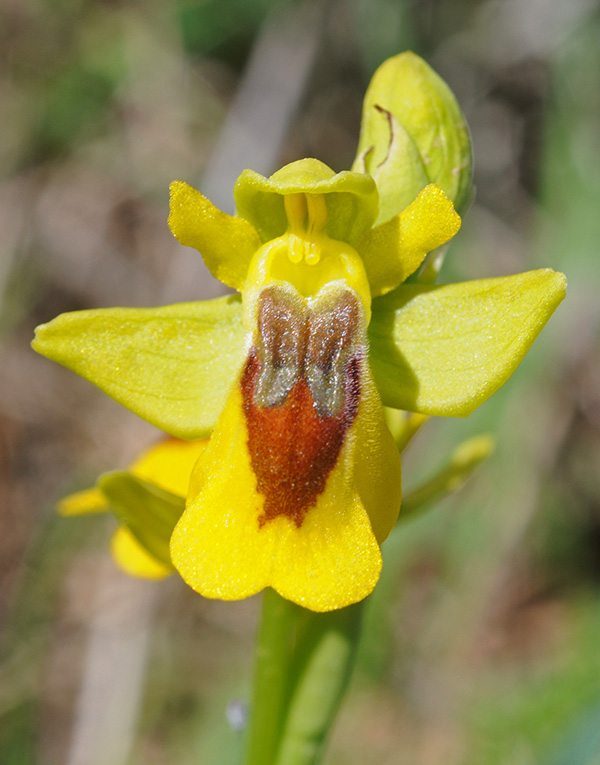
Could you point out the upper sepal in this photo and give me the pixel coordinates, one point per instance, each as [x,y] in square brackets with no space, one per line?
[351,199]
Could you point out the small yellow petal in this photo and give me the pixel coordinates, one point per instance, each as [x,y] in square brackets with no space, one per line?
[394,250]
[134,559]
[428,222]
[83,502]
[225,242]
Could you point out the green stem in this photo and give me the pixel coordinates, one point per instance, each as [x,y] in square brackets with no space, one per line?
[303,664]
[323,665]
[271,677]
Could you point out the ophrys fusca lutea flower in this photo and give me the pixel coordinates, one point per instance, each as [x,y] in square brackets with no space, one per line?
[300,481]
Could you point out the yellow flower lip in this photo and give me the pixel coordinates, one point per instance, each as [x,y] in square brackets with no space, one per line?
[301,479]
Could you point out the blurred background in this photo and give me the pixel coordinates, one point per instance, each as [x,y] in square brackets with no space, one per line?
[482,640]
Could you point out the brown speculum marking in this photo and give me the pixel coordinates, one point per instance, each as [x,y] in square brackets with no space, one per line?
[300,388]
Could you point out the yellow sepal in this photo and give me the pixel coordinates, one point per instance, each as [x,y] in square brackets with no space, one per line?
[444,350]
[172,365]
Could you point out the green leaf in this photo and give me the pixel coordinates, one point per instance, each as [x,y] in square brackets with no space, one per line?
[149,512]
[444,350]
[351,198]
[171,365]
[424,116]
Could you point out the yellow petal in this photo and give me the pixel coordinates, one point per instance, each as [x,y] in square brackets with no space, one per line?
[134,559]
[392,251]
[168,464]
[428,222]
[83,502]
[226,243]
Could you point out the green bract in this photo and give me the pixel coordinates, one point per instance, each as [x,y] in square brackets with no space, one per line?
[148,511]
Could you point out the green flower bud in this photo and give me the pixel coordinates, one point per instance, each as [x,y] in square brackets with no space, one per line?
[413,133]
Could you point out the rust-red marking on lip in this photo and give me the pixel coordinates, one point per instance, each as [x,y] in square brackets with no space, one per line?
[292,447]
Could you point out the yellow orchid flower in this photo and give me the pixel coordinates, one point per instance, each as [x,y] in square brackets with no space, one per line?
[300,482]
[167,466]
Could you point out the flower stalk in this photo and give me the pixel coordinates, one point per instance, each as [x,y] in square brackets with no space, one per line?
[271,685]
[323,665]
[303,665]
